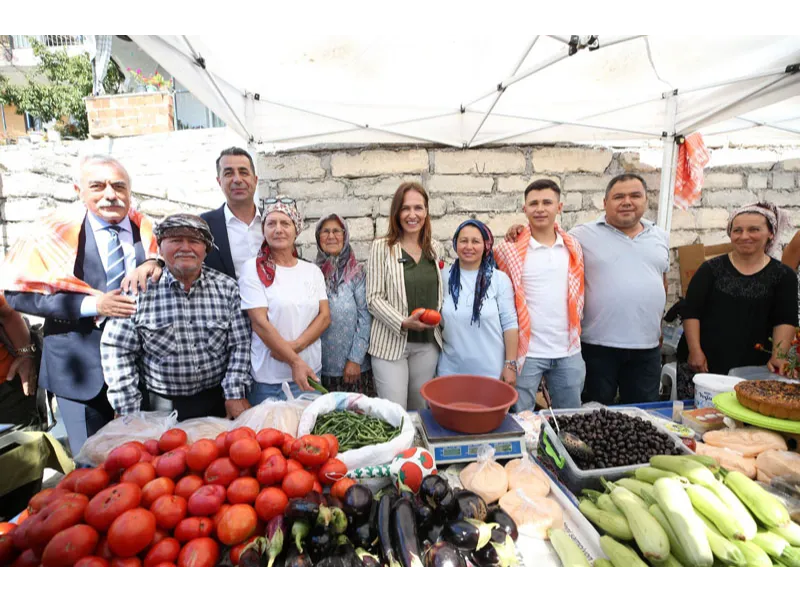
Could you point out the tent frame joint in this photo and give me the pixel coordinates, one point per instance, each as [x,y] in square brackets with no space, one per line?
[795,68]
[200,62]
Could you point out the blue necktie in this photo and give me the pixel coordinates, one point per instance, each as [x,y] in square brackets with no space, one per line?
[116,260]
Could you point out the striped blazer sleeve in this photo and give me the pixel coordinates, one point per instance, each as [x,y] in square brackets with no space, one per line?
[382,308]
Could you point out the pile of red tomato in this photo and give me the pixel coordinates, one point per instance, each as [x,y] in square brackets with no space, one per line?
[165,503]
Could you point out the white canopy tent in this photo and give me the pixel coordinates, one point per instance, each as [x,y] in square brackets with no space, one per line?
[289,92]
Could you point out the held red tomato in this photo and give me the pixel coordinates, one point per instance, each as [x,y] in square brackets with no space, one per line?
[169,511]
[237,524]
[69,546]
[332,471]
[193,528]
[171,439]
[91,483]
[298,483]
[243,490]
[131,532]
[111,503]
[206,500]
[161,486]
[427,315]
[245,452]
[310,450]
[172,464]
[55,517]
[269,438]
[272,471]
[166,550]
[133,561]
[92,561]
[188,485]
[201,454]
[200,552]
[222,471]
[333,444]
[140,474]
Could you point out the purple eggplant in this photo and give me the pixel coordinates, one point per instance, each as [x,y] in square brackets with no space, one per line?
[367,559]
[300,531]
[320,543]
[299,508]
[404,533]
[499,552]
[470,505]
[385,531]
[468,534]
[357,502]
[297,559]
[276,534]
[444,554]
[316,498]
[504,520]
[433,489]
[333,502]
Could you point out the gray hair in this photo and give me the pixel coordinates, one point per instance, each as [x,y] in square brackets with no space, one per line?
[98,159]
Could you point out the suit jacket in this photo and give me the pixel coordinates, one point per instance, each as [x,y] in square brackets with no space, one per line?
[220,257]
[71,365]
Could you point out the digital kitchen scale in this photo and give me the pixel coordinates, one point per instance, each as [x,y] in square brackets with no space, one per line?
[449,446]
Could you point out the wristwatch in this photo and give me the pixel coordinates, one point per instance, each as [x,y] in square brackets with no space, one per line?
[511,364]
[29,350]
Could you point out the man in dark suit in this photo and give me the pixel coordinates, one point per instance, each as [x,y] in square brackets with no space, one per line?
[109,242]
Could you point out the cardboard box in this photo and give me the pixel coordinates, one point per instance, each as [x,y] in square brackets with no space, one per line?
[691,257]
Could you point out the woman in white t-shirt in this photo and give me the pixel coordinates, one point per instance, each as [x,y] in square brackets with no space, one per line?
[286,301]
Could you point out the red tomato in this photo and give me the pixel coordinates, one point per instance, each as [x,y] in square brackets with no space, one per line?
[272,471]
[27,559]
[102,550]
[68,481]
[111,503]
[293,465]
[267,452]
[245,452]
[206,500]
[240,433]
[171,439]
[166,564]
[286,447]
[7,528]
[69,546]
[141,474]
[89,484]
[19,536]
[194,527]
[237,524]
[159,535]
[188,485]
[131,532]
[7,550]
[92,561]
[237,550]
[332,471]
[201,454]
[220,442]
[152,447]
[146,457]
[298,483]
[169,511]
[21,517]
[172,464]
[268,438]
[218,515]
[339,488]
[163,486]
[121,458]
[243,490]
[317,486]
[271,502]
[311,450]
[333,444]
[55,517]
[200,552]
[166,550]
[222,471]
[427,315]
[133,561]
[43,498]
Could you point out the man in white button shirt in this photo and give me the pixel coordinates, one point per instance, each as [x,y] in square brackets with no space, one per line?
[545,265]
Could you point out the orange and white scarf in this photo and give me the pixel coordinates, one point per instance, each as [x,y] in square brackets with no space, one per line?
[43,262]
[510,257]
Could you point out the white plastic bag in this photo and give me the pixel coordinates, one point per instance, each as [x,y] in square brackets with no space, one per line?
[204,428]
[139,427]
[377,454]
[278,414]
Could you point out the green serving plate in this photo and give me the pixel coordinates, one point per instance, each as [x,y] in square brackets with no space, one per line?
[728,404]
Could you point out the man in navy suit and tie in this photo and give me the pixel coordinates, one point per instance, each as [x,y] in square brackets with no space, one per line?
[107,241]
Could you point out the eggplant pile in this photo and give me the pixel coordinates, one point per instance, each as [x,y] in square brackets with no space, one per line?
[438,527]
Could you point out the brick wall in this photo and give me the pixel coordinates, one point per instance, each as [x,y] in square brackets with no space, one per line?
[130,114]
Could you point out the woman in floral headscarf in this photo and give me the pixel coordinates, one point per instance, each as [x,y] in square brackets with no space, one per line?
[737,302]
[345,362]
[286,301]
[478,313]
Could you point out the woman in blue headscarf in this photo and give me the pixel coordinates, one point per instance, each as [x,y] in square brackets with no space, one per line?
[478,312]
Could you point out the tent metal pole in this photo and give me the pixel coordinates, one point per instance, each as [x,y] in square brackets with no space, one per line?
[780,71]
[770,126]
[558,38]
[670,156]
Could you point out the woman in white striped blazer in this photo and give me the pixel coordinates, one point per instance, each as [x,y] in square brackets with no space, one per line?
[404,273]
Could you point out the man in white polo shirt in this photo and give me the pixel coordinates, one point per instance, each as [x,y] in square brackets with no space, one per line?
[545,266]
[627,259]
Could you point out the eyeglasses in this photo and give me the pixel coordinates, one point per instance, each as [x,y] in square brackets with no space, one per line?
[333,232]
[287,201]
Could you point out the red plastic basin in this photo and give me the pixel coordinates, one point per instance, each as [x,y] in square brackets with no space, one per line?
[469,403]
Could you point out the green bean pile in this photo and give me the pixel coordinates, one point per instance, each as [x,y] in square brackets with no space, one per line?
[355,430]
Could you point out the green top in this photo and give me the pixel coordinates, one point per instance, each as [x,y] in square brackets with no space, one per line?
[422,291]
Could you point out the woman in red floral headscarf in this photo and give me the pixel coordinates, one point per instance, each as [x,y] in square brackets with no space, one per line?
[287,303]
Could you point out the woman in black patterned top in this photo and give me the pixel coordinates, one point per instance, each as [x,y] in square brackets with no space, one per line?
[738,301]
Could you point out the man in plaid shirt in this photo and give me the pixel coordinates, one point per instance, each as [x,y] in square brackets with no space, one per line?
[188,338]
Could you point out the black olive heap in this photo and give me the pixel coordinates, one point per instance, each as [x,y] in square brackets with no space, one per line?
[616,439]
